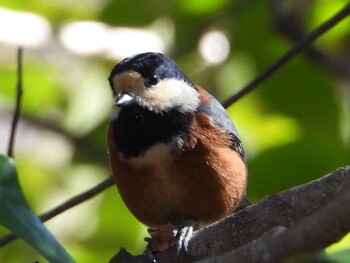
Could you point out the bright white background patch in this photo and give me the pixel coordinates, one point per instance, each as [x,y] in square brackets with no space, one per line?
[214,47]
[24,29]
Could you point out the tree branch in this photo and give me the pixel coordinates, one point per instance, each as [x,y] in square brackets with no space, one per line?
[293,213]
[296,49]
[17,113]
[324,227]
[288,19]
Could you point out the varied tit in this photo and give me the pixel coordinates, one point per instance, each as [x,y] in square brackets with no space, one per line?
[176,157]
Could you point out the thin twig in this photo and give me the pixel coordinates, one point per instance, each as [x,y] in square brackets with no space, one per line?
[288,20]
[17,113]
[77,199]
[297,48]
[74,201]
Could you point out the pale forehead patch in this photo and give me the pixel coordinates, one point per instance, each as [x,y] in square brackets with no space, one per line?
[129,81]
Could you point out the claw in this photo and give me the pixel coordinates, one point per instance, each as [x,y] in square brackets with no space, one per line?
[184,236]
[167,236]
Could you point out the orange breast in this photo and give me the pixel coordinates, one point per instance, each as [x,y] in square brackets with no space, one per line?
[205,182]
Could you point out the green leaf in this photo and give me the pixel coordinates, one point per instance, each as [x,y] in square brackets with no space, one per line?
[17,216]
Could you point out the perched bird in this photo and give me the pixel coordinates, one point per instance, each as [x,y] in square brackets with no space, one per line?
[176,157]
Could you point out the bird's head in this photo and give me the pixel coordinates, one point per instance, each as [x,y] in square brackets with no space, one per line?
[154,82]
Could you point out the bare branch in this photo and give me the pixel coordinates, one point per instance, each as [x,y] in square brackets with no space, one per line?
[288,19]
[17,113]
[315,232]
[78,199]
[297,48]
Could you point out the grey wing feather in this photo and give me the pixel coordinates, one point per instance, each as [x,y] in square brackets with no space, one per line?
[220,118]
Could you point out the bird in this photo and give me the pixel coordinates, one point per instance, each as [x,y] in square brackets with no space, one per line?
[176,157]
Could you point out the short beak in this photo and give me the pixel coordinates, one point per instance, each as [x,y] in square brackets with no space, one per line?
[124,99]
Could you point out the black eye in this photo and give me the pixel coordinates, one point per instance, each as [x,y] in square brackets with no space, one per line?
[152,80]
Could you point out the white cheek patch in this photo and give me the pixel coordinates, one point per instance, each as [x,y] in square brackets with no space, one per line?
[168,94]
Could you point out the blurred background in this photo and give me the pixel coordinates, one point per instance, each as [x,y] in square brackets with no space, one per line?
[295,127]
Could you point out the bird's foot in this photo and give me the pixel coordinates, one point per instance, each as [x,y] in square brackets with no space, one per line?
[185,233]
[167,236]
[162,238]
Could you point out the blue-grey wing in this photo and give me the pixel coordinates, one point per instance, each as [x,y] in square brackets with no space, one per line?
[220,118]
